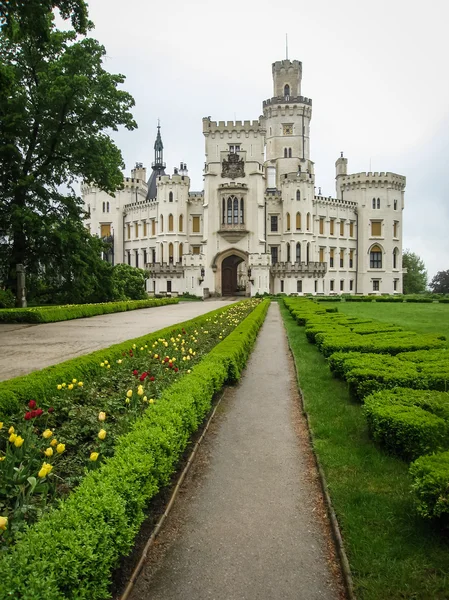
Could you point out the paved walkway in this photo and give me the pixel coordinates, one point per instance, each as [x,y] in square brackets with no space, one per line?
[249,525]
[26,348]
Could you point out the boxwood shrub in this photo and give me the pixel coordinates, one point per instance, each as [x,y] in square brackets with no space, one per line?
[430,486]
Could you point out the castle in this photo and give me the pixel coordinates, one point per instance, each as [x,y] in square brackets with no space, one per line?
[259,225]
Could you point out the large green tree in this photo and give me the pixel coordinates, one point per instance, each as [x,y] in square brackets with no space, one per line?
[440,283]
[57,104]
[415,280]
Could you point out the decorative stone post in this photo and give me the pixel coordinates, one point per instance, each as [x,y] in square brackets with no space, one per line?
[21,300]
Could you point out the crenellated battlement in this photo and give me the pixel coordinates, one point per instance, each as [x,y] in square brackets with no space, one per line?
[373,179]
[290,100]
[173,180]
[326,201]
[136,206]
[230,126]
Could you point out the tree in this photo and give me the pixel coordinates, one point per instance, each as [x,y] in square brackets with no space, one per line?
[415,280]
[129,282]
[58,103]
[440,283]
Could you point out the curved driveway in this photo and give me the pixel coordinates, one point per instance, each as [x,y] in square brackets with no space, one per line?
[26,348]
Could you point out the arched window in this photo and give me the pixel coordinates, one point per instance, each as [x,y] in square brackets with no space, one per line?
[374,202]
[288,252]
[162,223]
[286,90]
[181,251]
[375,258]
[104,205]
[170,222]
[289,152]
[298,221]
[162,253]
[223,211]
[242,211]
[298,195]
[298,252]
[181,223]
[285,152]
[288,221]
[107,206]
[308,253]
[308,221]
[236,211]
[395,204]
[170,253]
[229,211]
[170,197]
[395,258]
[378,203]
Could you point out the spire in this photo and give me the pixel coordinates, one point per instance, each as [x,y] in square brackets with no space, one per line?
[158,150]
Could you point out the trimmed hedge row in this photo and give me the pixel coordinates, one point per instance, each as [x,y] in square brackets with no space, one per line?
[404,412]
[408,422]
[40,384]
[52,314]
[71,552]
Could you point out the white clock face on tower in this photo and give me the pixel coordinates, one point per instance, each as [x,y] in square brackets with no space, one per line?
[287,129]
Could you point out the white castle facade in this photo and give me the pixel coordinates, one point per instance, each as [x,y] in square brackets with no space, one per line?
[259,225]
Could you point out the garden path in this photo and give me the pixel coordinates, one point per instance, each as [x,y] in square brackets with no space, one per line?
[26,348]
[249,523]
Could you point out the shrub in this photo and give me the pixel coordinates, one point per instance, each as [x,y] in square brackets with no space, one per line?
[431,485]
[7,299]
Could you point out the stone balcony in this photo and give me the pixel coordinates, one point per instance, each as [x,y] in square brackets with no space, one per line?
[286,269]
[156,269]
[233,232]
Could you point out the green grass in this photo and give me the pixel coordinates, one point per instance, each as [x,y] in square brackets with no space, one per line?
[423,318]
[393,554]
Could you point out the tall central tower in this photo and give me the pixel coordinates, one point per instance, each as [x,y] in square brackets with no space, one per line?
[287,116]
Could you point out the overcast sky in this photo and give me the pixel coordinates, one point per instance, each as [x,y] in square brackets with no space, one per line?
[377,73]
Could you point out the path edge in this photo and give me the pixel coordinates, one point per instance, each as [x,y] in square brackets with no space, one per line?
[336,533]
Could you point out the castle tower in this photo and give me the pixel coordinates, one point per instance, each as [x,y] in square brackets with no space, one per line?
[287,118]
[158,165]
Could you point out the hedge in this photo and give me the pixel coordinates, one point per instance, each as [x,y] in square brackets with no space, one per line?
[51,314]
[41,384]
[430,485]
[409,423]
[71,552]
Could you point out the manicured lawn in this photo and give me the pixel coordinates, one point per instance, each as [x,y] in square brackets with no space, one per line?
[393,554]
[423,318]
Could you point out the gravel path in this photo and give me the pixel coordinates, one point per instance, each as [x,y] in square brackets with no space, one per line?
[26,348]
[250,522]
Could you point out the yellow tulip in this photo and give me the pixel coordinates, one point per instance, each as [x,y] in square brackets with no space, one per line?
[59,386]
[48,452]
[102,364]
[119,362]
[18,441]
[3,523]
[151,401]
[94,456]
[11,429]
[1,424]
[2,458]
[145,399]
[102,416]
[12,438]
[80,384]
[189,371]
[129,393]
[73,380]
[108,366]
[54,442]
[47,433]
[45,470]
[63,385]
[156,356]
[102,434]
[70,386]
[140,390]
[60,448]
[106,362]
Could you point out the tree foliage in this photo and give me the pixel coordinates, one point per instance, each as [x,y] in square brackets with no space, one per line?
[415,280]
[56,104]
[129,283]
[440,283]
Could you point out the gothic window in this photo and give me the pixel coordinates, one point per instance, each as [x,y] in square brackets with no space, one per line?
[286,91]
[229,211]
[236,211]
[375,258]
[162,253]
[181,251]
[395,229]
[285,152]
[104,205]
[288,252]
[289,152]
[308,221]
[331,258]
[308,252]
[395,258]
[223,211]
[242,211]
[107,206]
[298,252]
[170,197]
[395,204]
[298,195]
[374,202]
[181,223]
[170,253]
[298,221]
[288,221]
[162,223]
[378,203]
[170,222]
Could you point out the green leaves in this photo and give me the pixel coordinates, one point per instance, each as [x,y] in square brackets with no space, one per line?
[415,280]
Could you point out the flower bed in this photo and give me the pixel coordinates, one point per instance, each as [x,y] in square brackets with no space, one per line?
[72,550]
[51,314]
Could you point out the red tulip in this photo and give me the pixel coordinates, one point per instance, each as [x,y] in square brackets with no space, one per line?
[135,372]
[143,376]
[33,414]
[32,403]
[151,378]
[27,416]
[39,411]
[51,409]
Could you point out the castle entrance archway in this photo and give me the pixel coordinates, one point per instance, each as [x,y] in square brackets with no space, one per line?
[229,275]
